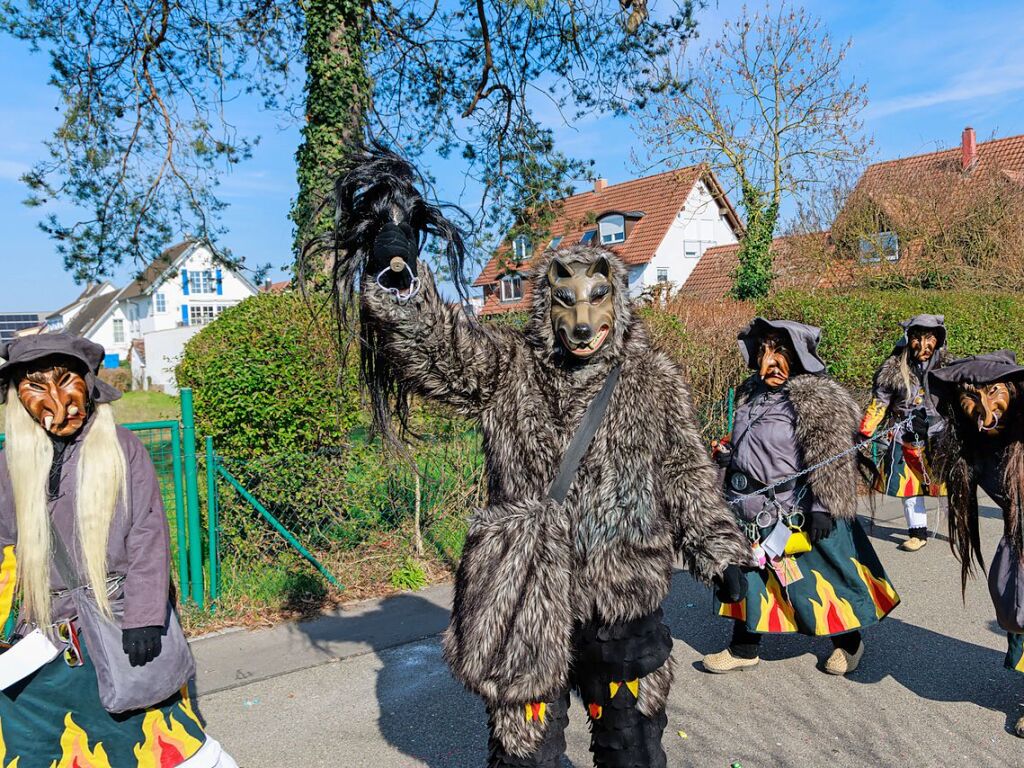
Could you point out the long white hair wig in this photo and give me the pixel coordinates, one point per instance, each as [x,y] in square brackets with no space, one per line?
[101,484]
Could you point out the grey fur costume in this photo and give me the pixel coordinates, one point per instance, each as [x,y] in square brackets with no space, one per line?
[889,380]
[645,493]
[826,422]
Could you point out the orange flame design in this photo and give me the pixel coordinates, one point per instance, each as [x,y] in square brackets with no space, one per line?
[833,614]
[3,752]
[736,611]
[75,752]
[186,706]
[777,614]
[8,576]
[167,742]
[882,594]
[595,710]
[536,710]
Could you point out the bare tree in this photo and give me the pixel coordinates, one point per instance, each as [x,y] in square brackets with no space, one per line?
[768,106]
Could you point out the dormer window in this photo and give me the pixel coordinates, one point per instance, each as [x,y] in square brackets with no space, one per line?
[613,229]
[588,237]
[873,248]
[521,248]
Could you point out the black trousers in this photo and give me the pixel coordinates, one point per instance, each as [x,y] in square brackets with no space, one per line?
[610,666]
[745,643]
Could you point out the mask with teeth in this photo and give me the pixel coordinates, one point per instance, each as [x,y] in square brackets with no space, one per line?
[582,309]
[55,392]
[987,404]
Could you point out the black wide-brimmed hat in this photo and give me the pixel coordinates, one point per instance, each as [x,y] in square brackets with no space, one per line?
[803,339]
[19,352]
[989,368]
[934,323]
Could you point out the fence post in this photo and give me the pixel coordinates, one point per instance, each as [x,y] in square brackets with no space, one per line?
[732,409]
[195,536]
[179,511]
[212,522]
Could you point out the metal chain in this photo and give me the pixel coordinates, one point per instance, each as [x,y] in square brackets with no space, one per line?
[899,427]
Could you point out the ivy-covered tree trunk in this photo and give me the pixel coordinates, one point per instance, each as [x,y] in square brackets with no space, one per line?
[337,96]
[753,278]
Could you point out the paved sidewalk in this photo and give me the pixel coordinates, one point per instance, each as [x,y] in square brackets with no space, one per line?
[367,686]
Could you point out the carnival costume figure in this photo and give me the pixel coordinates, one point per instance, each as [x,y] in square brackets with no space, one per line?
[791,477]
[900,390]
[563,575]
[80,495]
[982,447]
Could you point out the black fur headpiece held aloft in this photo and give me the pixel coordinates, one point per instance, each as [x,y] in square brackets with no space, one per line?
[380,188]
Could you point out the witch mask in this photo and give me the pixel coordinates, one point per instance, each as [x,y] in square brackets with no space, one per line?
[582,310]
[54,391]
[775,359]
[923,343]
[987,404]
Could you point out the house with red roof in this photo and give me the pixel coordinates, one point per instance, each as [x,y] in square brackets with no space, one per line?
[660,226]
[896,213]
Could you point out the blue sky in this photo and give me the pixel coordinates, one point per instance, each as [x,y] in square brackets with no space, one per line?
[931,68]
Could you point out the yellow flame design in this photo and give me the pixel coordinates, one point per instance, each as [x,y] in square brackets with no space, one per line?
[8,576]
[186,706]
[833,614]
[882,594]
[3,752]
[75,752]
[777,614]
[164,734]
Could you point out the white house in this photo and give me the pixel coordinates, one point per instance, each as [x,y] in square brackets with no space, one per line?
[184,287]
[660,226]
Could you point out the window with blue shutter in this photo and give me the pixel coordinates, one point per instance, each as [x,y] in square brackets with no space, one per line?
[184,314]
[184,285]
[220,284]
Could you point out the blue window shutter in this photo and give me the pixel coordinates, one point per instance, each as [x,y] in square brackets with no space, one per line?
[184,281]
[220,284]
[184,314]
[111,360]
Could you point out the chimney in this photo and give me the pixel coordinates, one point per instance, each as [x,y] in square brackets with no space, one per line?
[968,149]
[266,285]
[600,184]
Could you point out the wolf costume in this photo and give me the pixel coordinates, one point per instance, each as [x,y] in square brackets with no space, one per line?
[833,584]
[900,388]
[549,597]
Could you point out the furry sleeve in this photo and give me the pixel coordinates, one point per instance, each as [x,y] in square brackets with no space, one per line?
[440,353]
[826,422]
[704,529]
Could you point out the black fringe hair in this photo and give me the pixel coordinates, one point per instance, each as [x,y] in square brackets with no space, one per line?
[378,187]
[957,449]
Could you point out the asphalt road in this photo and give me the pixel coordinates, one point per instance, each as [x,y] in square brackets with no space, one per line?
[368,687]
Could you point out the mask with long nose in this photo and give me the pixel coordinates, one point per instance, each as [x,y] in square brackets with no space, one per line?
[582,310]
[923,344]
[987,405]
[774,360]
[56,394]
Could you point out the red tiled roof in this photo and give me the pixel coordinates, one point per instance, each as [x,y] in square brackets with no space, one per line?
[712,277]
[659,197]
[279,287]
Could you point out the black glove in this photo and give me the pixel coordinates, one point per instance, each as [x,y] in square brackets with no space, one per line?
[142,644]
[394,240]
[820,527]
[920,422]
[723,455]
[730,584]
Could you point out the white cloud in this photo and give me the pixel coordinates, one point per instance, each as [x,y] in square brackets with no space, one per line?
[970,86]
[12,170]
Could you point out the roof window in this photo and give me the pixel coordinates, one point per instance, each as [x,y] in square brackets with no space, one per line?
[613,229]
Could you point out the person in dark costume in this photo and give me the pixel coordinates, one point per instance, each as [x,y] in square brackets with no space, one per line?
[900,389]
[551,595]
[982,447]
[66,466]
[820,575]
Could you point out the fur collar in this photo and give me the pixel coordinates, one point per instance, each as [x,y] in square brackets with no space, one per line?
[826,422]
[889,378]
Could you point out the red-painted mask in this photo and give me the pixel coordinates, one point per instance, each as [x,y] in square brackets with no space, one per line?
[55,392]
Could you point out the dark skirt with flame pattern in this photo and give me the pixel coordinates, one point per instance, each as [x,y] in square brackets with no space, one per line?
[54,718]
[904,471]
[1014,652]
[842,586]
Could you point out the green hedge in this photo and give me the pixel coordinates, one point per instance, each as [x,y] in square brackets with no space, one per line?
[859,329]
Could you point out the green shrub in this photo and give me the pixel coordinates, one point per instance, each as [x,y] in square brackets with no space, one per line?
[409,575]
[859,329]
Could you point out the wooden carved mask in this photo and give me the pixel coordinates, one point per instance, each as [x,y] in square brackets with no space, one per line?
[775,360]
[987,404]
[55,392]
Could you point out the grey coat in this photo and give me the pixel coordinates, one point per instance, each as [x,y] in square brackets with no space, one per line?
[824,425]
[139,544]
